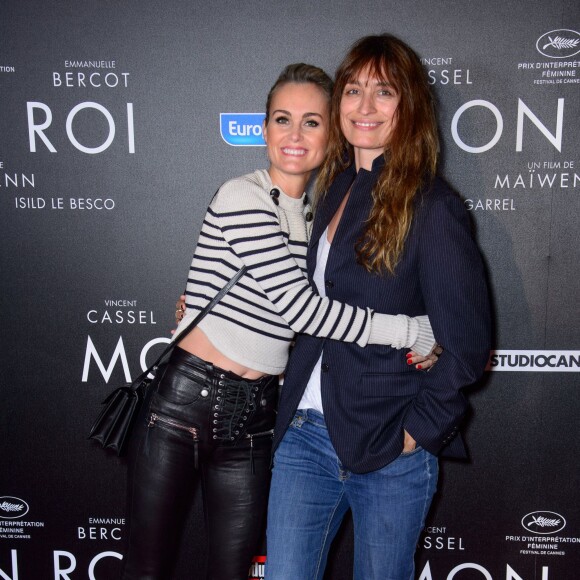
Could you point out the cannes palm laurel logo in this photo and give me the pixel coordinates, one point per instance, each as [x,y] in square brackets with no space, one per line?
[562,43]
[543,523]
[12,508]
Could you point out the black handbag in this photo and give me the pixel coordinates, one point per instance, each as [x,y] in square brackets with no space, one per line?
[119,413]
[121,408]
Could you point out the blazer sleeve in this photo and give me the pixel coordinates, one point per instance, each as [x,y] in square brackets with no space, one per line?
[454,289]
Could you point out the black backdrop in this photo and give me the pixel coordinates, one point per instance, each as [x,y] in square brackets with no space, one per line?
[111,145]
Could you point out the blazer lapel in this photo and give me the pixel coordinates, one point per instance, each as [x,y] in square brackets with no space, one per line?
[325,212]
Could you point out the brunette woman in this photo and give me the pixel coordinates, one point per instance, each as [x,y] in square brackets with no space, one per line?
[356,429]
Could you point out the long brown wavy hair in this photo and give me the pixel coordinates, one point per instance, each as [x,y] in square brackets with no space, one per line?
[410,154]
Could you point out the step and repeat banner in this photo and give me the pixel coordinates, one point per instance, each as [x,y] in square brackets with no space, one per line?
[118,122]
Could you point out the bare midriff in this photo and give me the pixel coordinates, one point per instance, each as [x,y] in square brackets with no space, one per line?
[198,344]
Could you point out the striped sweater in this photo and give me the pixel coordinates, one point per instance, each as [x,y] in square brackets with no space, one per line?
[255,322]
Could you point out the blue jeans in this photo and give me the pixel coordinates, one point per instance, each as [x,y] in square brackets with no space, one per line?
[311,492]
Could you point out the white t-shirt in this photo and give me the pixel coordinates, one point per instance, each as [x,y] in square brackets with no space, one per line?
[312,397]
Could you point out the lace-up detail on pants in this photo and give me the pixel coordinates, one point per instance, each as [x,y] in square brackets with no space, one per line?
[234,403]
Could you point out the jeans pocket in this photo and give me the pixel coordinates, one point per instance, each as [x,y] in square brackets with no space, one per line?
[412,452]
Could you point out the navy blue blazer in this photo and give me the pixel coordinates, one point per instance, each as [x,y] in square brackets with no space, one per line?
[370,395]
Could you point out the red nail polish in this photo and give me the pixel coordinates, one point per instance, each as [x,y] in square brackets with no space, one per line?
[409,362]
[419,367]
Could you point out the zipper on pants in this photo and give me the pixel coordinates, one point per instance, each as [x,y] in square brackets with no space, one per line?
[154,417]
[251,436]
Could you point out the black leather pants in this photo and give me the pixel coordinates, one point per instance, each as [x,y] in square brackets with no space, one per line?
[203,425]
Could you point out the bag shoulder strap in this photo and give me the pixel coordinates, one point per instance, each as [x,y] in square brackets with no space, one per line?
[202,314]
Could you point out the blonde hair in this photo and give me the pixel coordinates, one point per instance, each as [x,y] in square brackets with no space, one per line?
[300,73]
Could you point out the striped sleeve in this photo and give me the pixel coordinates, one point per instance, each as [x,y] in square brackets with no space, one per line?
[250,225]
